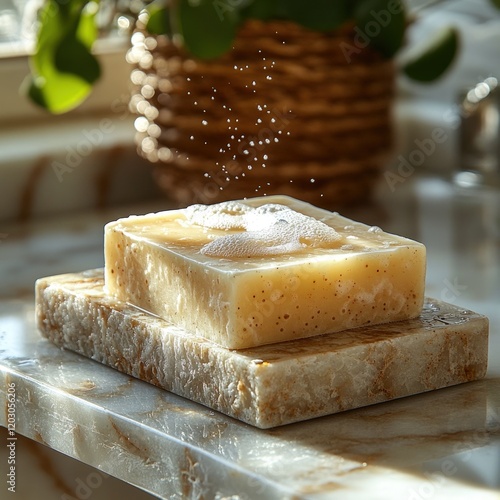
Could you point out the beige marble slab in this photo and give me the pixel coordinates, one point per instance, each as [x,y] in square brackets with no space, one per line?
[270,385]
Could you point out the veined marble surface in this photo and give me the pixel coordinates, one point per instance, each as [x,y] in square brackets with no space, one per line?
[443,444]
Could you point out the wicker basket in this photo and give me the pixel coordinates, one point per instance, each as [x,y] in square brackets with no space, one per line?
[283,113]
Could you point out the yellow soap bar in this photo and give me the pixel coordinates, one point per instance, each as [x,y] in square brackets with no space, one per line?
[263,270]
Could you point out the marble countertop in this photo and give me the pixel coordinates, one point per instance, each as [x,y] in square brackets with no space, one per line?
[442,444]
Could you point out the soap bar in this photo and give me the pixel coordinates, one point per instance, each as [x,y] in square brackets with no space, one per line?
[263,270]
[274,384]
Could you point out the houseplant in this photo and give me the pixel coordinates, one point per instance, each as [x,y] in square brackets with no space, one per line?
[242,97]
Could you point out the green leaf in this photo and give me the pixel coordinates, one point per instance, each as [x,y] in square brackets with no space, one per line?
[63,66]
[73,57]
[85,22]
[73,53]
[435,57]
[381,23]
[496,3]
[159,22]
[260,9]
[58,95]
[34,92]
[207,26]
[321,15]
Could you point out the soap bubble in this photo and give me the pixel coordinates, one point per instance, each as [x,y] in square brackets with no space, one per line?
[270,229]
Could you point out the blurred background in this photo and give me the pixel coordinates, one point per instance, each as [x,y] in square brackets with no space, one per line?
[439,181]
[87,157]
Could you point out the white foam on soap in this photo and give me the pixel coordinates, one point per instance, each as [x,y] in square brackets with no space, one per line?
[226,216]
[270,229]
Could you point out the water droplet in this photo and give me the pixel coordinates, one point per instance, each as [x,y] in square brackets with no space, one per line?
[313,181]
[265,157]
[374,229]
[204,122]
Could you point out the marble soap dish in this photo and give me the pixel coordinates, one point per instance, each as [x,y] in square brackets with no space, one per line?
[275,384]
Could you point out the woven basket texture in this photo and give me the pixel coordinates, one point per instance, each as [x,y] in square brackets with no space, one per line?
[286,111]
